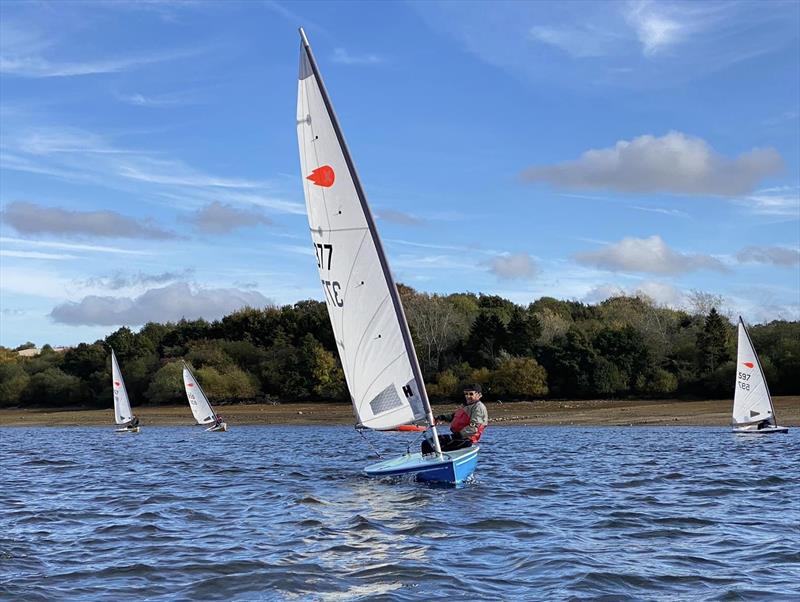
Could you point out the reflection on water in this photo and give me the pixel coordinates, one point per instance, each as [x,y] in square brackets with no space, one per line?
[283,513]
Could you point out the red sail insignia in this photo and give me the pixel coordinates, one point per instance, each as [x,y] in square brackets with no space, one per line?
[748,364]
[190,384]
[322,176]
[116,384]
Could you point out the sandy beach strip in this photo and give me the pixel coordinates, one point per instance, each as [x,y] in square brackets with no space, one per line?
[599,412]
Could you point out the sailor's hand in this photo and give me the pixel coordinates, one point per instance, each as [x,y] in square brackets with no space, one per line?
[441,418]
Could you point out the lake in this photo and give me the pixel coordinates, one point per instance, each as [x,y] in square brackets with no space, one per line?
[271,513]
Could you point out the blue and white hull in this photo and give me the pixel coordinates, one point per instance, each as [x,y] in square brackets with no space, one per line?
[453,467]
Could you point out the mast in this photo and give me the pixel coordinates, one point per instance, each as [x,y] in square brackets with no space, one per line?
[393,293]
[763,376]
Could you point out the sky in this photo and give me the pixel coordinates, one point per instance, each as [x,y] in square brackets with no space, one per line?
[149,168]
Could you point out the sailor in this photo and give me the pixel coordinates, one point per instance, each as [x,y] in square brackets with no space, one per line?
[133,423]
[466,423]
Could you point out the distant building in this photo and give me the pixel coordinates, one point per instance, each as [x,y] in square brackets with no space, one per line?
[34,351]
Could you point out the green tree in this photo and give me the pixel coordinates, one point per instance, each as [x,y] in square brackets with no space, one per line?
[167,384]
[712,343]
[518,378]
[54,388]
[13,382]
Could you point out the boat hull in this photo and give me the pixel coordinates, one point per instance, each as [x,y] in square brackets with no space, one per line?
[129,430]
[454,467]
[765,431]
[218,428]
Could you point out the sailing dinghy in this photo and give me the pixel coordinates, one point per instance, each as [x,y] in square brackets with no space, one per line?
[753,412]
[199,404]
[371,331]
[122,405]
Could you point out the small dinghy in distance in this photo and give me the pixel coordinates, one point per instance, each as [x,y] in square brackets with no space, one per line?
[122,405]
[371,331]
[199,404]
[753,411]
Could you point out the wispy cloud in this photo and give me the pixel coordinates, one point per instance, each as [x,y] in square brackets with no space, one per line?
[158,101]
[585,40]
[218,218]
[779,256]
[70,246]
[517,266]
[674,163]
[31,218]
[650,255]
[22,54]
[661,210]
[35,255]
[169,303]
[398,217]
[781,201]
[341,56]
[119,279]
[655,27]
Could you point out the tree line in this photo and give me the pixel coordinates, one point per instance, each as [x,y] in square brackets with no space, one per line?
[625,346]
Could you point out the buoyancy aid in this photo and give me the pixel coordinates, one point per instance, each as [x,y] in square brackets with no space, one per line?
[461,420]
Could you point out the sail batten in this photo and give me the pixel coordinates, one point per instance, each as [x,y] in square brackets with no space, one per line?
[364,307]
[752,402]
[122,404]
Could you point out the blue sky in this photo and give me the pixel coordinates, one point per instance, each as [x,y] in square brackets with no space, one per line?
[149,167]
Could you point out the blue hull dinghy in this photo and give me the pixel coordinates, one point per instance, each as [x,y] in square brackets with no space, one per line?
[452,467]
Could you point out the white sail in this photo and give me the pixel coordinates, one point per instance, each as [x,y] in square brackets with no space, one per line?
[751,401]
[122,405]
[371,332]
[198,402]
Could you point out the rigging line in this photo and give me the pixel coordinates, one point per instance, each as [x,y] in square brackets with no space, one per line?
[360,432]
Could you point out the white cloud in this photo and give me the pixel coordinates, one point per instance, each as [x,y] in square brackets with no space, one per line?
[340,55]
[674,163]
[650,255]
[655,28]
[513,266]
[169,303]
[661,293]
[780,256]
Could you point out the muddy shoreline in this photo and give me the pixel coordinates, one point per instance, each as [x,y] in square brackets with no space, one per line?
[598,412]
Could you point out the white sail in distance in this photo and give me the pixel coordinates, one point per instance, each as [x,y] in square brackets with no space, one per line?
[371,331]
[752,402]
[122,405]
[198,402]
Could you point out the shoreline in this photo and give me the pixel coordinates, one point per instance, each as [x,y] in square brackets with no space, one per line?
[596,412]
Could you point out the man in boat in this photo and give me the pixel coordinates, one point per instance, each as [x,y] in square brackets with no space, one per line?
[466,423]
[133,423]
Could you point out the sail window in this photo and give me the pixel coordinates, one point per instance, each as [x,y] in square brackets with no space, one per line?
[386,400]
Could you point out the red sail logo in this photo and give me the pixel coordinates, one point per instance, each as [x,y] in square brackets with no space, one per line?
[116,383]
[748,364]
[189,385]
[322,176]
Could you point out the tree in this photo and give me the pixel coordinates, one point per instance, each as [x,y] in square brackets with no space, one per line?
[487,338]
[524,329]
[53,387]
[13,382]
[436,326]
[167,384]
[233,383]
[712,343]
[518,378]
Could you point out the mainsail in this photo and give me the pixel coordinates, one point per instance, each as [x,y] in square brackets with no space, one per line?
[122,405]
[198,402]
[752,402]
[371,331]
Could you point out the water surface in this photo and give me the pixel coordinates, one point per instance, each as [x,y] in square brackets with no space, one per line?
[266,513]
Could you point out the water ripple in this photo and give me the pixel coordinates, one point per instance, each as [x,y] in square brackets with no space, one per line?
[268,513]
